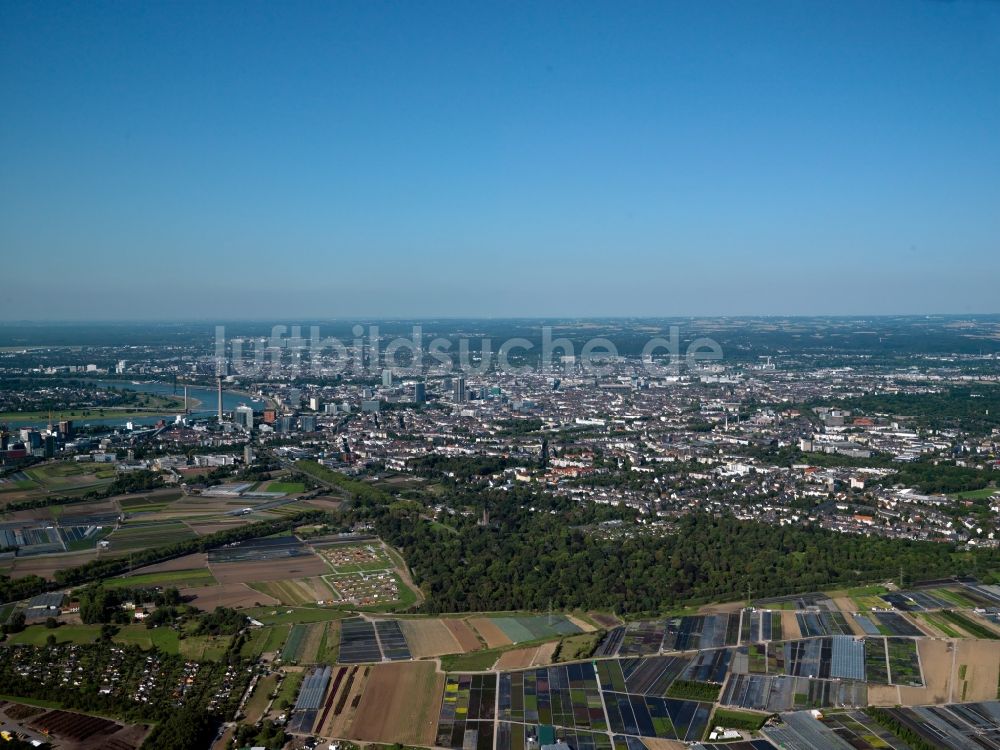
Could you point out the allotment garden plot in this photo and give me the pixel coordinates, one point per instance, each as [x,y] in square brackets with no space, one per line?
[356,558]
[364,575]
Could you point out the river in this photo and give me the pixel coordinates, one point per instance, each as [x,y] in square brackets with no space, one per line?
[208,398]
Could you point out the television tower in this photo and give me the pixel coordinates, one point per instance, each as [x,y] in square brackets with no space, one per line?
[219,379]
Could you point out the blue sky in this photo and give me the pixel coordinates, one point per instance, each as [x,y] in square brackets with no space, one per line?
[224,160]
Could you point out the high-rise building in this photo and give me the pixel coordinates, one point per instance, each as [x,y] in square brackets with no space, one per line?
[307,423]
[387,378]
[314,403]
[286,424]
[459,391]
[248,455]
[419,393]
[243,417]
[66,428]
[270,415]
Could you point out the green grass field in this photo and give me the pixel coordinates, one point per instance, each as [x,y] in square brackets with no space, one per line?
[474,661]
[289,488]
[203,647]
[939,622]
[37,635]
[178,578]
[255,642]
[275,638]
[954,597]
[165,639]
[18,485]
[143,535]
[289,689]
[261,695]
[65,475]
[983,494]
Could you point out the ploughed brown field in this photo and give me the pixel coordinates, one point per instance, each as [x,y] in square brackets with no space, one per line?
[269,570]
[187,562]
[790,625]
[533,656]
[465,635]
[227,595]
[401,703]
[491,632]
[337,713]
[430,638]
[603,619]
[46,565]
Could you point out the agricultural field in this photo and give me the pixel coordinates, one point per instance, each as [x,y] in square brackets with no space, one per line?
[463,633]
[572,696]
[291,615]
[275,638]
[234,595]
[430,638]
[974,627]
[191,578]
[36,635]
[47,565]
[61,476]
[296,592]
[364,641]
[253,571]
[466,717]
[261,697]
[136,505]
[289,488]
[904,664]
[532,656]
[957,726]
[854,727]
[401,703]
[521,629]
[786,693]
[822,623]
[938,625]
[84,732]
[143,535]
[336,715]
[575,647]
[303,643]
[866,598]
[977,671]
